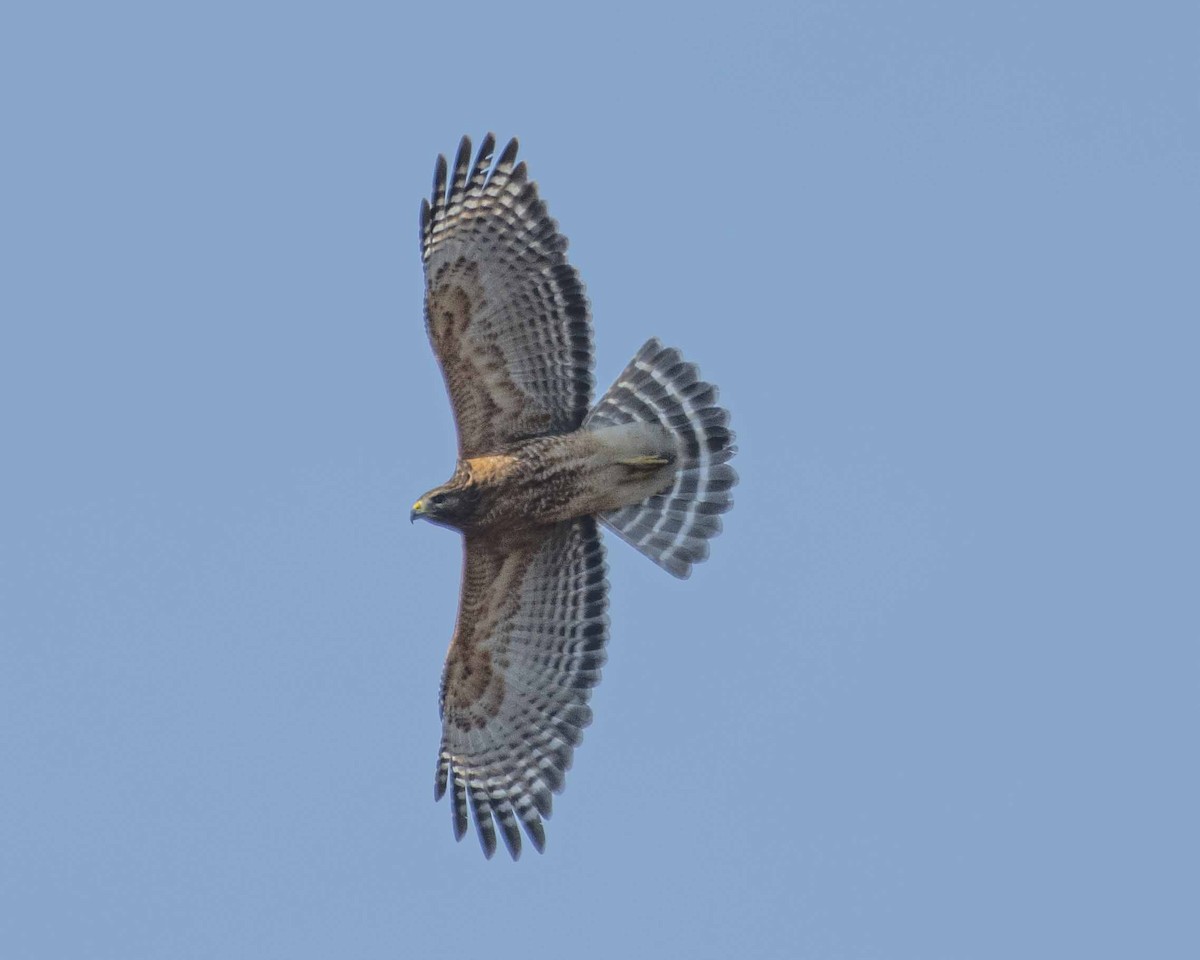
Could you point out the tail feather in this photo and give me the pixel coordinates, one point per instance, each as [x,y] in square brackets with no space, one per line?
[673,527]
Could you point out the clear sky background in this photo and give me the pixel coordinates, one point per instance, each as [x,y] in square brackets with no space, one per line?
[935,694]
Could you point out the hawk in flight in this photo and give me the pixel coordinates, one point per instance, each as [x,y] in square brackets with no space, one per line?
[539,470]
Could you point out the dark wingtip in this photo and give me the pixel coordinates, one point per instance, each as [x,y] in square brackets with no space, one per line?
[537,834]
[464,151]
[458,813]
[438,196]
[509,154]
[487,839]
[512,839]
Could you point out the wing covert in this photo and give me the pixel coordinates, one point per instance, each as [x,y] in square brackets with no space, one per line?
[504,309]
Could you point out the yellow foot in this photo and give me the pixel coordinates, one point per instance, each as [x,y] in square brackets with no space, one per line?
[647,463]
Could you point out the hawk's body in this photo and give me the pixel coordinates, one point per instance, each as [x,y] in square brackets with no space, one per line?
[548,479]
[538,465]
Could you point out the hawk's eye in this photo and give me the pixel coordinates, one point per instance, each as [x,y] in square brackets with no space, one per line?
[437,499]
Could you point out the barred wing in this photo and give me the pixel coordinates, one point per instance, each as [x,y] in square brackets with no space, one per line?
[527,649]
[505,311]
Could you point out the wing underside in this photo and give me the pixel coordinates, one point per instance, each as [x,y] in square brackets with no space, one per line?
[505,311]
[527,650]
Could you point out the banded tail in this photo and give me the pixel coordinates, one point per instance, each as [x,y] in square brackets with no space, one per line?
[673,528]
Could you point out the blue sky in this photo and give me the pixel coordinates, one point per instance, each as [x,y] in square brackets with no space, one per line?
[933,696]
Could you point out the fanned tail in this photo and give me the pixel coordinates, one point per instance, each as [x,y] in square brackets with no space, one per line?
[673,528]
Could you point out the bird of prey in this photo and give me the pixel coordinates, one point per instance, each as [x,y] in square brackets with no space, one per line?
[539,470]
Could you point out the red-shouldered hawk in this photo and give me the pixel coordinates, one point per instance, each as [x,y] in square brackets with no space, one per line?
[538,466]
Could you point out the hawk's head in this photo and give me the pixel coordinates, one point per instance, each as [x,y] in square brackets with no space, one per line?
[450,505]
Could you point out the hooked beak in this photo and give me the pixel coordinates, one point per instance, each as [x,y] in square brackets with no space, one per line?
[418,510]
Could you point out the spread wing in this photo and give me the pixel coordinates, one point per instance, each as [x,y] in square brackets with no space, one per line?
[505,311]
[528,648]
